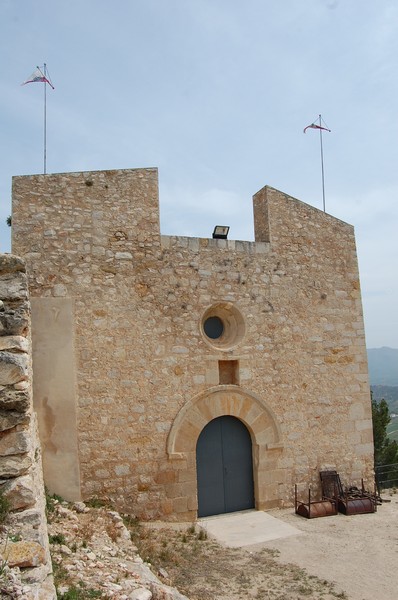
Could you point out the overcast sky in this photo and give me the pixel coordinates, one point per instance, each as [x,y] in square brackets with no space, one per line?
[216,94]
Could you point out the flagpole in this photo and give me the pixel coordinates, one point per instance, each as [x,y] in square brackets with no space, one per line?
[45,119]
[323,171]
[41,76]
[321,128]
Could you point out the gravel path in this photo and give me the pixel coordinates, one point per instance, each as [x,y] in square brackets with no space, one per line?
[359,553]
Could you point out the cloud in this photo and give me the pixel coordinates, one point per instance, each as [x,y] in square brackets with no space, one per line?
[195,213]
[216,94]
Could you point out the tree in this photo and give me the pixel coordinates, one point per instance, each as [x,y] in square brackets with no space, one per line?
[9,221]
[385,450]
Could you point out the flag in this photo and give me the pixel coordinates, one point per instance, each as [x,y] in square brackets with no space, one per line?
[315,126]
[38,76]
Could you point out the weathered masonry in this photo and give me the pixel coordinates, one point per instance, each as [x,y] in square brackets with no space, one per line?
[184,376]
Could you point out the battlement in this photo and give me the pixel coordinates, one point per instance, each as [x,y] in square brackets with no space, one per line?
[141,339]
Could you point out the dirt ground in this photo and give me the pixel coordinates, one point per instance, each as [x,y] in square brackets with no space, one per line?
[202,569]
[353,558]
[358,553]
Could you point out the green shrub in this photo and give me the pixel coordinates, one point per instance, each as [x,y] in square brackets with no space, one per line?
[97,502]
[79,593]
[51,502]
[57,538]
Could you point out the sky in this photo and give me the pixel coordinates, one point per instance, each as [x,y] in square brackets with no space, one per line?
[216,94]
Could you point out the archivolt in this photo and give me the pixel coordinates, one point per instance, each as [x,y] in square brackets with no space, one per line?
[217,402]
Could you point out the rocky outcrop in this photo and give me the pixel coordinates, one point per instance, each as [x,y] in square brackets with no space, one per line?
[24,550]
[95,550]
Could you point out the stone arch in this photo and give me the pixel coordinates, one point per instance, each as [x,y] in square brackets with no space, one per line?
[259,420]
[217,402]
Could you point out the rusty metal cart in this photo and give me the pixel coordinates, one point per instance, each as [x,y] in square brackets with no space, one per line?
[350,501]
[314,508]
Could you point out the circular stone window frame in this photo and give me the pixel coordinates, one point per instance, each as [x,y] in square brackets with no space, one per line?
[234,329]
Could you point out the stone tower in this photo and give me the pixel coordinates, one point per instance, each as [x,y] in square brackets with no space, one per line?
[156,357]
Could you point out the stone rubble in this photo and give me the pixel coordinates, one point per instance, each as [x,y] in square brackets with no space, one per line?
[96,551]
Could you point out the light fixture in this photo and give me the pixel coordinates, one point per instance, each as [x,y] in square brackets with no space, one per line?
[220,232]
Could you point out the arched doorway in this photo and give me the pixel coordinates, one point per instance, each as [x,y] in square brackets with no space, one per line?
[224,467]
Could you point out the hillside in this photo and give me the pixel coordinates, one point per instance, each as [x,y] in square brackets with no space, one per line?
[383,366]
[387,392]
[383,374]
[390,395]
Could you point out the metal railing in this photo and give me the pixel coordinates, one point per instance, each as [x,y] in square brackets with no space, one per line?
[386,476]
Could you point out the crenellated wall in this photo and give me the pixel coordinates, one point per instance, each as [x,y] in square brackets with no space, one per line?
[126,378]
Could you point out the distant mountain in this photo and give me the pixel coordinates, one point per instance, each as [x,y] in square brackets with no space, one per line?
[383,366]
[388,393]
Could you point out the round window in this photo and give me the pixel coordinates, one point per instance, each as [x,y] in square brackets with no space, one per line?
[222,326]
[213,327]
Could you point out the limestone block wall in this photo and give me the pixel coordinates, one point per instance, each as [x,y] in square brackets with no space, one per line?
[123,309]
[21,478]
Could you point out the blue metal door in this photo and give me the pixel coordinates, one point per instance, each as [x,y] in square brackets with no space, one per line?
[224,467]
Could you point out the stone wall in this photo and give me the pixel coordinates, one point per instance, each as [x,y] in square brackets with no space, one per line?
[121,351]
[23,537]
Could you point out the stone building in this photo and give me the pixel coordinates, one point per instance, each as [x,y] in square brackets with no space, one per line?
[183,376]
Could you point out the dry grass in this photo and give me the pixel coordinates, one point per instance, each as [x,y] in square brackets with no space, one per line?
[184,558]
[203,570]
